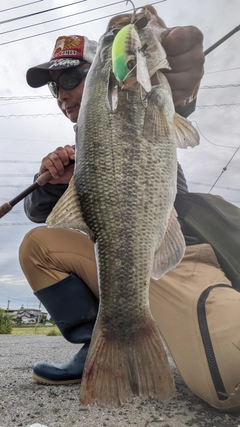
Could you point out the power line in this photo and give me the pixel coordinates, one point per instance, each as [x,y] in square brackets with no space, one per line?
[224,169]
[217,145]
[20,175]
[37,97]
[40,12]
[218,186]
[8,224]
[28,139]
[21,161]
[19,116]
[217,105]
[222,71]
[16,98]
[16,212]
[62,17]
[219,86]
[73,25]
[21,5]
[19,102]
[11,185]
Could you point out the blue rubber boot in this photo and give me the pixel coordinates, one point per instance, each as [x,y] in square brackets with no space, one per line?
[73,307]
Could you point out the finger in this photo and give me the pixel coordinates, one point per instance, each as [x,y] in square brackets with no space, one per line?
[179,95]
[182,85]
[65,178]
[70,151]
[63,153]
[55,162]
[52,163]
[188,78]
[193,61]
[182,39]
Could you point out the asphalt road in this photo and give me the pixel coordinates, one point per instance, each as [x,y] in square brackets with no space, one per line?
[24,403]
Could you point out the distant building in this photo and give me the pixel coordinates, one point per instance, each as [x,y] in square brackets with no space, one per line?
[27,316]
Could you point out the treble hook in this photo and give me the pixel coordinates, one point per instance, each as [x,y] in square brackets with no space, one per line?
[134,10]
[140,23]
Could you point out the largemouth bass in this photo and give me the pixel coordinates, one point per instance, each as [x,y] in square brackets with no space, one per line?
[122,196]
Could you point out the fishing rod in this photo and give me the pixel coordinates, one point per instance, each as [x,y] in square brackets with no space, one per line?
[220,41]
[42,179]
[46,176]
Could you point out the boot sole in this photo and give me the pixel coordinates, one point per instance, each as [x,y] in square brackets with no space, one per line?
[52,382]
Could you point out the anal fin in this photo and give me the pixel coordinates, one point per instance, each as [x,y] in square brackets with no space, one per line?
[170,252]
[186,134]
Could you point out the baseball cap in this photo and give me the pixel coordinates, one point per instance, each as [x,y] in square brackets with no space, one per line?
[69,51]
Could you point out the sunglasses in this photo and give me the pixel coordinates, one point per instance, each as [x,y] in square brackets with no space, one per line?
[68,80]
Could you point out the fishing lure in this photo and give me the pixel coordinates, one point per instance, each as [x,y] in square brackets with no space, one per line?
[128,60]
[125,46]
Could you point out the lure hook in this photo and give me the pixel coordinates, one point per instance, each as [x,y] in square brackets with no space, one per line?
[140,23]
[134,10]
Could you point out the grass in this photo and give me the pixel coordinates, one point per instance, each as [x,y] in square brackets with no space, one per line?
[36,330]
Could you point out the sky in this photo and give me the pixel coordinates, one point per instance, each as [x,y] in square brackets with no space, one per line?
[31,125]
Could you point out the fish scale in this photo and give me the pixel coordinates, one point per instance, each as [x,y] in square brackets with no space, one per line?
[124,184]
[124,228]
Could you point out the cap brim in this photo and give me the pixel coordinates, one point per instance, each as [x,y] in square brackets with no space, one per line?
[40,75]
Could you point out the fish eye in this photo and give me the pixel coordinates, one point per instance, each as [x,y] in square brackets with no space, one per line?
[131,65]
[109,36]
[114,30]
[131,62]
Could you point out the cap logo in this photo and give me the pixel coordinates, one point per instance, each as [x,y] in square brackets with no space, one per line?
[65,62]
[68,46]
[67,52]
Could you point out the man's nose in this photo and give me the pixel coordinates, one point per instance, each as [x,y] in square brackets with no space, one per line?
[62,94]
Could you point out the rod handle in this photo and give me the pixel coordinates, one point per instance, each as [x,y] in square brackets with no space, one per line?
[43,178]
[4,209]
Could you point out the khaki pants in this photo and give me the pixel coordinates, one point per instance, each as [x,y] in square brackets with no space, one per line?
[49,255]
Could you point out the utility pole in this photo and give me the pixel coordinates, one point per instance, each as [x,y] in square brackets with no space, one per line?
[39,314]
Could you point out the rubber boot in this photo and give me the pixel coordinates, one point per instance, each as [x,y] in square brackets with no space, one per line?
[73,307]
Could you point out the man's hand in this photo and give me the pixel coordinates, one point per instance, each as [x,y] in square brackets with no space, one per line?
[56,163]
[184,49]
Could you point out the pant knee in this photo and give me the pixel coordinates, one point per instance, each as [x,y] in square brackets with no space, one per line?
[30,250]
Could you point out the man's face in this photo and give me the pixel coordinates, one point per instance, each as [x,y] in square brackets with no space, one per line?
[69,101]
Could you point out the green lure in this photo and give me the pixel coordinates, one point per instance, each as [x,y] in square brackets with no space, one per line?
[124,52]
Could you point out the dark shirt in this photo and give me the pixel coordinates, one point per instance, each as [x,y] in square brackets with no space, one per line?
[40,202]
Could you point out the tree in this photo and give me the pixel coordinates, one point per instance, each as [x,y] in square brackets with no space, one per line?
[43,319]
[5,323]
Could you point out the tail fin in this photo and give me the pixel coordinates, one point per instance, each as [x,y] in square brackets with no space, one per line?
[116,370]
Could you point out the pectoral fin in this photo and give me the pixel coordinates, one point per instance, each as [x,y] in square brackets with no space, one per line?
[112,93]
[186,134]
[170,252]
[67,212]
[143,77]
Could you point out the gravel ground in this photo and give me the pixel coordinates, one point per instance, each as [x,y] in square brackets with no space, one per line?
[24,403]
